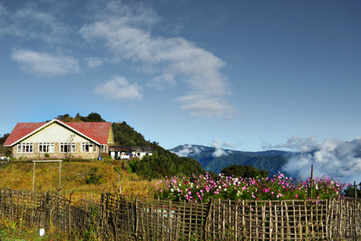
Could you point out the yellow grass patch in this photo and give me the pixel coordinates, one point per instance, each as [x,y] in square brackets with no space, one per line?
[18,176]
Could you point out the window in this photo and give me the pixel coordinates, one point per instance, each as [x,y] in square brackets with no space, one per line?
[104,148]
[67,147]
[46,147]
[25,147]
[88,147]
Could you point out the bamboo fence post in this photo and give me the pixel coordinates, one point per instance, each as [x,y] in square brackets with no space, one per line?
[327,205]
[207,221]
[300,227]
[288,222]
[170,219]
[263,208]
[282,222]
[231,227]
[276,221]
[60,174]
[184,216]
[256,215]
[312,221]
[341,218]
[270,220]
[354,210]
[294,219]
[177,228]
[223,219]
[34,176]
[196,219]
[213,221]
[136,218]
[250,220]
[190,222]
[243,219]
[236,220]
[322,219]
[219,227]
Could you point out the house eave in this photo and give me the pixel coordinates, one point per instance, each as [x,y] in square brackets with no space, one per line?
[47,124]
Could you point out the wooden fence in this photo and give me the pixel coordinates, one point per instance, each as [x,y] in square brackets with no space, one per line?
[113,218]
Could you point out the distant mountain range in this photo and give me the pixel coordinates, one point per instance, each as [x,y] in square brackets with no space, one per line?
[215,159]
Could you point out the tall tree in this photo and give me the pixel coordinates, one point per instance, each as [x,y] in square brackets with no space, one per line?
[3,138]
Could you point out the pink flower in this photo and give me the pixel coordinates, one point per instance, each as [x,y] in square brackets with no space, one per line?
[267,190]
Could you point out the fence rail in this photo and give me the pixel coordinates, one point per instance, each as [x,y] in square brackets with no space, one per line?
[113,218]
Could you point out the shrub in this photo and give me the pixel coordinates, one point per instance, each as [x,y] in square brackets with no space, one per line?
[279,187]
[244,171]
[92,177]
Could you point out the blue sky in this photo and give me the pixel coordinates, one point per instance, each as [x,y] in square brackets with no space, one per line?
[237,74]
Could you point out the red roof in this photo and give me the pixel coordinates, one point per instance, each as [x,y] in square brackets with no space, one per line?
[97,131]
[21,130]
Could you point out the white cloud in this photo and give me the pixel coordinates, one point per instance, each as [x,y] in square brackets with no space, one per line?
[297,144]
[333,158]
[119,88]
[163,81]
[188,150]
[31,23]
[219,151]
[94,62]
[44,63]
[3,10]
[207,105]
[126,33]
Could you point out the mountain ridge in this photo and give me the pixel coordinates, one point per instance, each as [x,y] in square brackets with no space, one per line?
[214,159]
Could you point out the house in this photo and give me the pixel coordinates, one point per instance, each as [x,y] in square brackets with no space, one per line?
[58,139]
[127,153]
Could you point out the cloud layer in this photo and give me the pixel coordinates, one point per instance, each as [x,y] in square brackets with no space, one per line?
[336,159]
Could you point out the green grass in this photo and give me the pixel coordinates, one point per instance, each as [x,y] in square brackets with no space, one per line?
[25,234]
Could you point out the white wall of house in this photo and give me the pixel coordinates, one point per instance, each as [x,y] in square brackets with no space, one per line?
[55,133]
[127,155]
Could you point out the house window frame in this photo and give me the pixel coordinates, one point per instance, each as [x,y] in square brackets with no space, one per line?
[103,147]
[25,147]
[85,147]
[46,147]
[70,147]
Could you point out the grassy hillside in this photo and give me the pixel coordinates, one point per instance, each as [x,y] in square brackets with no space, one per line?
[85,179]
[162,163]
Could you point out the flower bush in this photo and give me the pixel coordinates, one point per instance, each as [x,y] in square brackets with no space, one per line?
[279,187]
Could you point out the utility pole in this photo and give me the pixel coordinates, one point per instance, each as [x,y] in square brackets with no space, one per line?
[311,183]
